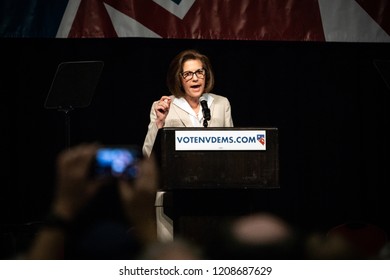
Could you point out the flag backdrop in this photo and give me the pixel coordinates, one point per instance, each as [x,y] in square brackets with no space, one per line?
[289,20]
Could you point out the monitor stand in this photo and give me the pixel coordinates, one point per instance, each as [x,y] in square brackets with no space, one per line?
[73,87]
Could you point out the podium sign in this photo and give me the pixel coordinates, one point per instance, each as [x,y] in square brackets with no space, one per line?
[218,158]
[218,140]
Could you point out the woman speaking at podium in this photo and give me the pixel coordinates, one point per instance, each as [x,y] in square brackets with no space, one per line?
[190,80]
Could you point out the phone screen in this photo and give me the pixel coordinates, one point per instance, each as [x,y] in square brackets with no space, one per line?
[117,162]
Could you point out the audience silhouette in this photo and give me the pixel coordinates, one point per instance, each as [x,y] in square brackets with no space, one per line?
[93,218]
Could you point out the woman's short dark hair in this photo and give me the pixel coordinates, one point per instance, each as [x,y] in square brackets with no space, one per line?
[176,67]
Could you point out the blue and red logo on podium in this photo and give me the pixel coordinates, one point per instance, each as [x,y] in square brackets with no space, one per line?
[261,139]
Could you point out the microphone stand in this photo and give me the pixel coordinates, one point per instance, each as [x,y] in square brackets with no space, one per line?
[206,116]
[205,122]
[205,111]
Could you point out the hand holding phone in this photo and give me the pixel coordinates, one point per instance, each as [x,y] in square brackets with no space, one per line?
[119,162]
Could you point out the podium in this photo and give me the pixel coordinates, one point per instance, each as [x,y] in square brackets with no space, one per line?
[209,174]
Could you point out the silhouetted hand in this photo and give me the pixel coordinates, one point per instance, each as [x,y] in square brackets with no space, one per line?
[138,198]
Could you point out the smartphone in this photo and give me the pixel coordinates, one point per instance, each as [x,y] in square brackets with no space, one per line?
[117,162]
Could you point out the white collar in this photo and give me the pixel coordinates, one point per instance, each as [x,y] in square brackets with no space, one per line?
[182,103]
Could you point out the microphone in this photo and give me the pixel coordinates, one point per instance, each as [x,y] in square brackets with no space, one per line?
[205,110]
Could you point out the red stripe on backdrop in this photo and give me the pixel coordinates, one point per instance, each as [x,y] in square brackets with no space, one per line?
[297,20]
[258,20]
[149,14]
[92,20]
[379,10]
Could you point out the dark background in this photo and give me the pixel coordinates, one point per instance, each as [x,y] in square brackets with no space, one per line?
[327,99]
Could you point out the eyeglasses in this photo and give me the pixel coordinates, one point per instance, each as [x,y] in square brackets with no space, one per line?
[188,75]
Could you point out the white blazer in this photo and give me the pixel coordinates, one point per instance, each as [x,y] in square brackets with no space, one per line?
[178,116]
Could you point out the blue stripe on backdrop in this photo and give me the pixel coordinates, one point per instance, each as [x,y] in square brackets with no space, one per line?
[30,18]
